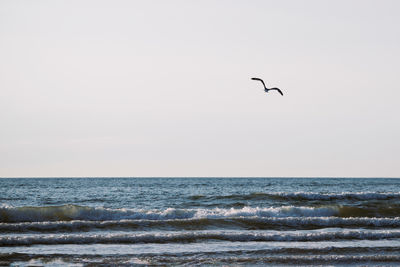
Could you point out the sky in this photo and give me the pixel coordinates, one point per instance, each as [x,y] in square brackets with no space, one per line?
[162,88]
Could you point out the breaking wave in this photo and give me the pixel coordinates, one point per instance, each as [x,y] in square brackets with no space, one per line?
[74,212]
[199,236]
[83,213]
[245,223]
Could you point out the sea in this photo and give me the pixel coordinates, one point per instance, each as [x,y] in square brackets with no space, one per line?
[199,222]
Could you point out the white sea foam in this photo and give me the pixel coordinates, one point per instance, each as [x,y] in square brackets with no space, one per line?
[74,212]
[236,222]
[199,236]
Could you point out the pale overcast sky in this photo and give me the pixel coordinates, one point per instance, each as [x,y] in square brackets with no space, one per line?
[162,88]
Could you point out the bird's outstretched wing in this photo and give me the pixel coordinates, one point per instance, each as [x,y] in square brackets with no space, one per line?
[277,89]
[258,79]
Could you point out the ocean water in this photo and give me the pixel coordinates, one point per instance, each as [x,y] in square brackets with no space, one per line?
[199,221]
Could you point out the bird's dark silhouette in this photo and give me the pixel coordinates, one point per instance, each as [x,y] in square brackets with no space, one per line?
[267,89]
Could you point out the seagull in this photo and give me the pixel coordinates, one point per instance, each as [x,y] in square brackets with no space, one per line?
[265,88]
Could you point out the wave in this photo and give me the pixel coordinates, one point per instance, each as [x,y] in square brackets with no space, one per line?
[308,257]
[339,196]
[286,260]
[244,223]
[298,196]
[199,236]
[75,212]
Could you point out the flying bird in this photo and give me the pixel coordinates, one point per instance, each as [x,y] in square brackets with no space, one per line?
[267,89]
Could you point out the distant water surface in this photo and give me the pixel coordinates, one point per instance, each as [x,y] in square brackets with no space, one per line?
[200,221]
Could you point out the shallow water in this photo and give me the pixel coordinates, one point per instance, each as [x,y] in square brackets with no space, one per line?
[200,221]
